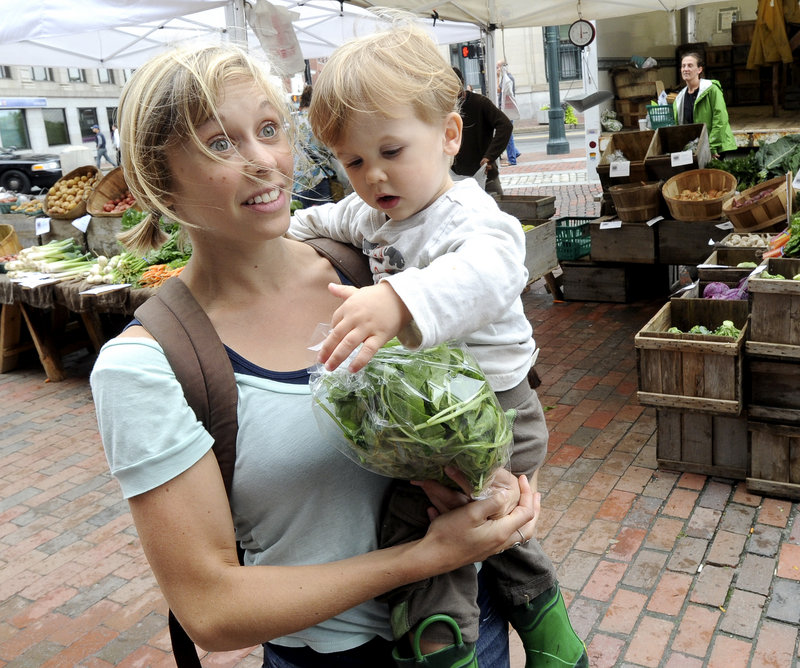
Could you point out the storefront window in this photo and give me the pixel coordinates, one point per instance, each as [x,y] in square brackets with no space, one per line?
[87,117]
[5,72]
[55,125]
[13,128]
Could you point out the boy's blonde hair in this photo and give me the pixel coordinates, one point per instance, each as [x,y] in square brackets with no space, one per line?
[381,73]
[161,107]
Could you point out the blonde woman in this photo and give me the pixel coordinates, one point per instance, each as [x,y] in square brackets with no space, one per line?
[205,143]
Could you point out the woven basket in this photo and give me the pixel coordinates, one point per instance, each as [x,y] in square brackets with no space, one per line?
[704,180]
[111,187]
[763,214]
[91,172]
[636,202]
[9,241]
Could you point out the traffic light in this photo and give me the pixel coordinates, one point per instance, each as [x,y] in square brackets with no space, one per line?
[471,51]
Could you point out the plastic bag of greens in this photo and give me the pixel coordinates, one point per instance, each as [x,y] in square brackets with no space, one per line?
[408,414]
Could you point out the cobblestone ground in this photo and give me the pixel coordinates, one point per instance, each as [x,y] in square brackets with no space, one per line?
[659,568]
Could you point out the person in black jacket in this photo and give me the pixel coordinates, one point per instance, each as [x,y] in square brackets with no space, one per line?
[485,136]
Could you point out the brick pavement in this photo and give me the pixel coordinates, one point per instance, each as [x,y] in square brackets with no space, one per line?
[659,568]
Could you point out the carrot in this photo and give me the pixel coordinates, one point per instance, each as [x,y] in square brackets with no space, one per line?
[156,274]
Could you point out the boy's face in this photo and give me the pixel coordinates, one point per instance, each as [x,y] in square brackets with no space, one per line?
[399,165]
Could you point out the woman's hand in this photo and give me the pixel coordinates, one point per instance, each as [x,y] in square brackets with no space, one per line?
[478,529]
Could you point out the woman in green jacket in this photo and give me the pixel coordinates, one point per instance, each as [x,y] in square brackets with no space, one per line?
[702,102]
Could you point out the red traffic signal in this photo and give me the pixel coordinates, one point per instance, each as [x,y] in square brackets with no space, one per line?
[470,51]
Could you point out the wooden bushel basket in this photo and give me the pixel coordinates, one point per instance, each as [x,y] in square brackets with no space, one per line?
[761,215]
[90,171]
[111,187]
[703,180]
[636,202]
[9,241]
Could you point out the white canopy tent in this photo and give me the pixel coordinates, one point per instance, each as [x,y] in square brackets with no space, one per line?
[125,33]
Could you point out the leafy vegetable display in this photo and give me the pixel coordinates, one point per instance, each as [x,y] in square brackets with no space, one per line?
[727,328]
[408,414]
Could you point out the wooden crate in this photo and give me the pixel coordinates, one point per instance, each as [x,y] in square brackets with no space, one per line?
[775,308]
[742,32]
[774,459]
[682,242]
[762,239]
[692,371]
[630,111]
[674,139]
[702,443]
[540,248]
[721,265]
[627,76]
[532,207]
[774,389]
[642,90]
[717,56]
[633,145]
[584,280]
[632,242]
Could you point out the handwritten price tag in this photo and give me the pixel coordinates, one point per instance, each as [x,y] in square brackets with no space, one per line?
[653,221]
[619,169]
[610,224]
[41,226]
[681,158]
[82,223]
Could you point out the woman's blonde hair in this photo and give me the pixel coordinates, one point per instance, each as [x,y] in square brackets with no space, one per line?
[161,107]
[381,73]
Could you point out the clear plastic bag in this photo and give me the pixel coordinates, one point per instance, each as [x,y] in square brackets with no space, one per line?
[408,414]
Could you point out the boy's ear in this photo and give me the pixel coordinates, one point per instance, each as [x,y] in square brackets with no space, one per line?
[453,126]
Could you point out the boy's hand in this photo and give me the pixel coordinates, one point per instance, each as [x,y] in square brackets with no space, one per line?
[372,315]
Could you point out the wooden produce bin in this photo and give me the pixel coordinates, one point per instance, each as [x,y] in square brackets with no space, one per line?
[633,145]
[529,207]
[774,459]
[674,139]
[692,371]
[583,280]
[774,389]
[631,242]
[681,242]
[756,240]
[702,443]
[721,265]
[540,248]
[775,307]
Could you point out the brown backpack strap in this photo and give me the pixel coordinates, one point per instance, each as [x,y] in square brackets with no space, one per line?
[200,362]
[348,259]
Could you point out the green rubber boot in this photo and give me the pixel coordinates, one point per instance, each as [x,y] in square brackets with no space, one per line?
[547,634]
[458,655]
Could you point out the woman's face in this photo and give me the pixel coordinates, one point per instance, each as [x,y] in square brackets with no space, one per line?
[244,195]
[690,70]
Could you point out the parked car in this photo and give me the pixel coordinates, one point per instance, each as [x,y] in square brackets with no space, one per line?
[21,173]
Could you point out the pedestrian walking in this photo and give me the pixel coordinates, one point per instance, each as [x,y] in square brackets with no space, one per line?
[102,149]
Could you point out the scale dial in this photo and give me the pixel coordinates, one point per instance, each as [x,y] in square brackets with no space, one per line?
[581,33]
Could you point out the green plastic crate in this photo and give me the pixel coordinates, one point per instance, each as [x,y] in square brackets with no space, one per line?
[572,238]
[660,115]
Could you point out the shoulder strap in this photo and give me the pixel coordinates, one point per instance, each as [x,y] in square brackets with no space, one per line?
[346,258]
[201,364]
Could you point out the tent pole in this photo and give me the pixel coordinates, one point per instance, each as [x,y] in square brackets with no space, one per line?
[557,143]
[236,28]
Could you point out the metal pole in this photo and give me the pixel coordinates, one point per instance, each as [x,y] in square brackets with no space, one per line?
[235,24]
[557,142]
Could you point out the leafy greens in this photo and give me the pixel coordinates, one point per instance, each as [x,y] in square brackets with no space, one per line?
[408,414]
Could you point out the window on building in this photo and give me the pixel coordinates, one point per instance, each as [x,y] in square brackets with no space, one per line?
[76,74]
[127,73]
[569,56]
[111,112]
[41,73]
[55,125]
[87,117]
[5,72]
[14,128]
[106,76]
